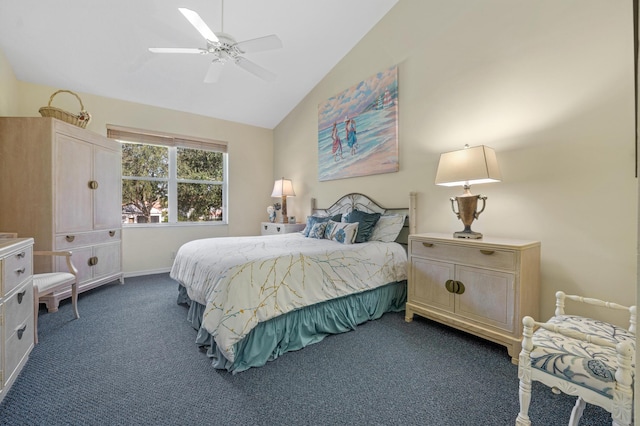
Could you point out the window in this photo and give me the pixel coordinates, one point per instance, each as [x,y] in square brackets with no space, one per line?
[171,179]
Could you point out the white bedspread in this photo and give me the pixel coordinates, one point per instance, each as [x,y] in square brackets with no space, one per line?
[247,280]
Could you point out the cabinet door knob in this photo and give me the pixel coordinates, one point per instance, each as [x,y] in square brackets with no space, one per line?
[278,229]
[70,238]
[93,261]
[449,286]
[265,227]
[427,244]
[453,286]
[93,184]
[112,233]
[487,252]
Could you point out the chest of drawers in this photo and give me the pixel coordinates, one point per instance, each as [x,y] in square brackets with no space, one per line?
[16,308]
[483,287]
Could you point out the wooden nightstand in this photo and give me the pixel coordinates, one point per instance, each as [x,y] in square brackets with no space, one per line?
[483,287]
[271,228]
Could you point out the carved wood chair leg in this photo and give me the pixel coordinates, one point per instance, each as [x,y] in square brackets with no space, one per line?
[36,304]
[74,299]
[525,400]
[576,413]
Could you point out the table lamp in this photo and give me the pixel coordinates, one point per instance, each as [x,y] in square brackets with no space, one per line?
[463,168]
[283,188]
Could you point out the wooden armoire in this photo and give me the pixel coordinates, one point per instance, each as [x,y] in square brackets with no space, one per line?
[61,185]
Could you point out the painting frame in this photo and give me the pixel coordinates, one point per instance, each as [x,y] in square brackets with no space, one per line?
[358,129]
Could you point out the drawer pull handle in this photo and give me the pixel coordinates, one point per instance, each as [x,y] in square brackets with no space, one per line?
[278,228]
[70,238]
[20,331]
[93,261]
[21,255]
[487,252]
[20,271]
[21,295]
[427,244]
[265,227]
[112,233]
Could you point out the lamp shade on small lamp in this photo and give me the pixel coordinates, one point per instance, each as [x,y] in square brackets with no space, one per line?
[465,167]
[283,188]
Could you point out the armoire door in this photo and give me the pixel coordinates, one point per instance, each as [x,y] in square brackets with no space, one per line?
[72,173]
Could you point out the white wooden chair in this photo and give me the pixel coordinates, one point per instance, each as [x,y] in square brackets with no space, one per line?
[580,356]
[47,283]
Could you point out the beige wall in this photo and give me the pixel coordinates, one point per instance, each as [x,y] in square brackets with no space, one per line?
[149,249]
[548,84]
[8,88]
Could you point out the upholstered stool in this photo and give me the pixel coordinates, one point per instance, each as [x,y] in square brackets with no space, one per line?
[580,356]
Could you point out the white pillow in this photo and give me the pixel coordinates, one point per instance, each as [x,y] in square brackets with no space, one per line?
[387,228]
[341,232]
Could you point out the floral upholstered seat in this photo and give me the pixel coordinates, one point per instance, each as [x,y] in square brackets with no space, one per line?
[583,363]
[586,357]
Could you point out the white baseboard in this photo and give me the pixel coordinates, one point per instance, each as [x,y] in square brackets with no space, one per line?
[147,272]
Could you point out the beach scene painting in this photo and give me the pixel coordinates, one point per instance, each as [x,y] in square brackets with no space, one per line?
[358,129]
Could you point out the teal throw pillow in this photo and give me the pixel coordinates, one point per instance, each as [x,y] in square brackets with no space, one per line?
[367,221]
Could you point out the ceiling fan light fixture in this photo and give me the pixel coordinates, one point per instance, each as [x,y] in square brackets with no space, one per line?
[225,48]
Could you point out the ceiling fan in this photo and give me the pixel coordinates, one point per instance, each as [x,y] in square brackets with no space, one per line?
[225,49]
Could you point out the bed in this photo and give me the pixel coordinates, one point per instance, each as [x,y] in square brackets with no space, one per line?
[253,299]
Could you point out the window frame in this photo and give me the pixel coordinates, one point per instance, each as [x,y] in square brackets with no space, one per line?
[173,142]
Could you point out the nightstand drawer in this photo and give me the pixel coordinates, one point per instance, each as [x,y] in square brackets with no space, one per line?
[273,228]
[477,256]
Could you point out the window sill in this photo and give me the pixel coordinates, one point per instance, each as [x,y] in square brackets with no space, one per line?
[173,225]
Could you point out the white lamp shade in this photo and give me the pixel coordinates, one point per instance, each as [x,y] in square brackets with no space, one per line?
[283,188]
[468,166]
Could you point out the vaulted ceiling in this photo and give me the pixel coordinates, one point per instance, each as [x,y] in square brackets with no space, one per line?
[101,48]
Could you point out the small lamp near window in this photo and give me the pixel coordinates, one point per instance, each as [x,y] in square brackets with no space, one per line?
[463,168]
[283,188]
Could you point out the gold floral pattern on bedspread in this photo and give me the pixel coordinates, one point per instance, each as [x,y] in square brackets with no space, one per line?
[263,288]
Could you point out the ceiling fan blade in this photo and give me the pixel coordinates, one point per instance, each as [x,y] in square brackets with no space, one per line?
[260,44]
[176,50]
[254,69]
[213,73]
[199,24]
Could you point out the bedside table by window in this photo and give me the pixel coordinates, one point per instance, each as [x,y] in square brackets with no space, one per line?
[271,228]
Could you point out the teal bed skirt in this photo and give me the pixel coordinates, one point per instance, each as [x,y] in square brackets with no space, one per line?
[300,328]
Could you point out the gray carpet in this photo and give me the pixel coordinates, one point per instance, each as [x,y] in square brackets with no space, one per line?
[130,360]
